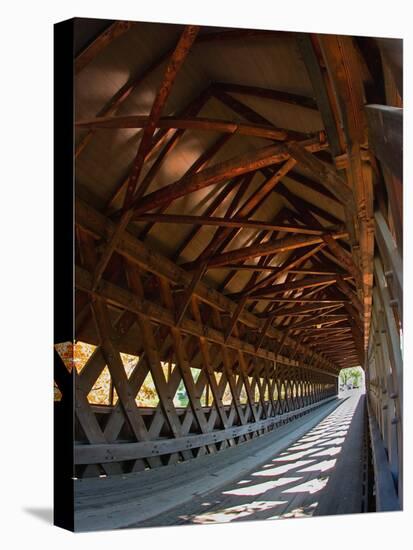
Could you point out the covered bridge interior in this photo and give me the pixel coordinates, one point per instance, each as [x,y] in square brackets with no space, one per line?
[238,242]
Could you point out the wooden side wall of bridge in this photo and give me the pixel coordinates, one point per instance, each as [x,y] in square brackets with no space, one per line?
[126,438]
[384,357]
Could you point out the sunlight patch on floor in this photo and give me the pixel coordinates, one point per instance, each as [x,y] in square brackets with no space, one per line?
[278,470]
[296,474]
[336,441]
[293,456]
[331,451]
[320,466]
[310,445]
[227,515]
[261,488]
[301,512]
[311,486]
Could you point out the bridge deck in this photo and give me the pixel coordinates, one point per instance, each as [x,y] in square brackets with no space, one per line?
[313,466]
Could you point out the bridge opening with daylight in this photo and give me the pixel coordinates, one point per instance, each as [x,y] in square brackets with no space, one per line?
[238,244]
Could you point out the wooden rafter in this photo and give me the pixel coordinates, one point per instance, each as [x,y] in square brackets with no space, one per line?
[278,245]
[226,222]
[242,164]
[204,124]
[132,192]
[115,30]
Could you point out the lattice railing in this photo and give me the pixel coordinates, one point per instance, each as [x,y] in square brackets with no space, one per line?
[124,437]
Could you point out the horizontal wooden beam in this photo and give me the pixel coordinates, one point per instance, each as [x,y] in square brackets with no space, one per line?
[305,282]
[194,123]
[319,321]
[246,267]
[316,271]
[221,172]
[264,268]
[269,247]
[226,222]
[306,301]
[299,310]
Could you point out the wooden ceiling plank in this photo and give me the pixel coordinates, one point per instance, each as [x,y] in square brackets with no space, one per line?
[201,162]
[132,192]
[221,233]
[345,259]
[266,93]
[239,34]
[343,286]
[121,95]
[333,182]
[211,209]
[125,91]
[248,208]
[285,268]
[115,30]
[159,139]
[281,216]
[249,114]
[312,184]
[312,64]
[386,136]
[305,208]
[305,282]
[174,65]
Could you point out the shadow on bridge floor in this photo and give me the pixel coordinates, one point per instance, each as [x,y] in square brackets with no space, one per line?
[321,473]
